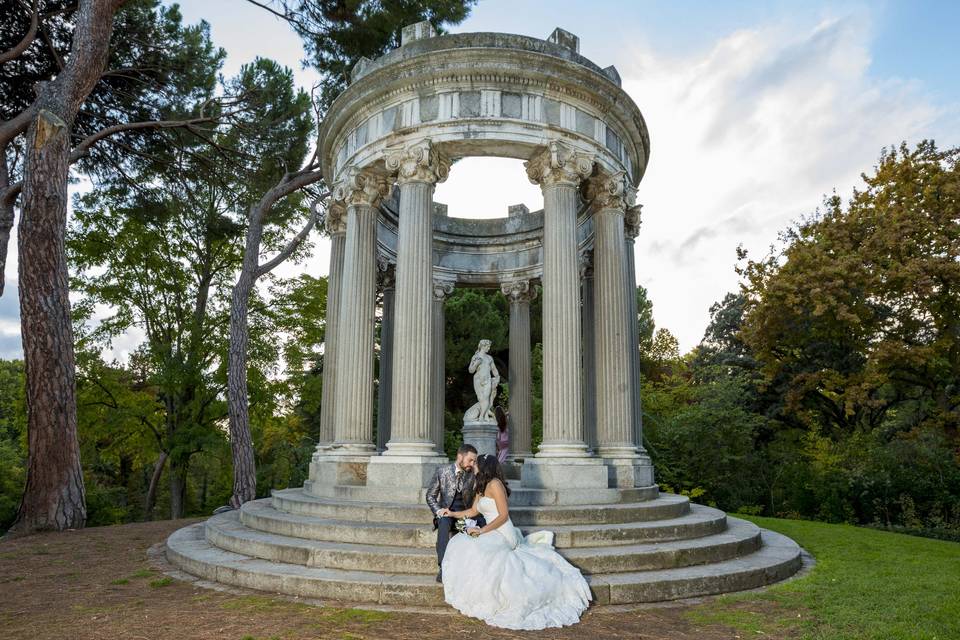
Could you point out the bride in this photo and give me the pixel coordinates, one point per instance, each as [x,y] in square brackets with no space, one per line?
[506,580]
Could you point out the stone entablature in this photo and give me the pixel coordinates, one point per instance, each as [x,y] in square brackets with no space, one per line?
[484,94]
[482,253]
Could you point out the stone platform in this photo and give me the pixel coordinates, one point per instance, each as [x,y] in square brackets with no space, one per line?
[633,545]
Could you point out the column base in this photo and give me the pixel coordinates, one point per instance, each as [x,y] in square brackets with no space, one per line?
[629,471]
[564,473]
[563,450]
[341,468]
[482,435]
[403,471]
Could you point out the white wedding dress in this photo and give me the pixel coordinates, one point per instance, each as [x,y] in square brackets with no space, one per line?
[510,581]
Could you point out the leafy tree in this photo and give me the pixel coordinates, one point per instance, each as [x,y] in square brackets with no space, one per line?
[859,313]
[162,256]
[337,35]
[149,62]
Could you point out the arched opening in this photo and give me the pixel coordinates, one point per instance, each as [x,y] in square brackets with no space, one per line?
[484,187]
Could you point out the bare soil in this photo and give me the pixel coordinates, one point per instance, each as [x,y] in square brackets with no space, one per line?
[99,583]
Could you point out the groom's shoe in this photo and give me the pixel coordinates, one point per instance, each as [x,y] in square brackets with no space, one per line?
[439,576]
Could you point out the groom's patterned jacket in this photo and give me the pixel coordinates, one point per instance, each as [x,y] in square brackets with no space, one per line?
[443,487]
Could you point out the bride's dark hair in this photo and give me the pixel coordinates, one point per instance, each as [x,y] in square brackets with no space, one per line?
[488,468]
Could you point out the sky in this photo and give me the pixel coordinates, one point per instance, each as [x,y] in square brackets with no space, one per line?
[756,111]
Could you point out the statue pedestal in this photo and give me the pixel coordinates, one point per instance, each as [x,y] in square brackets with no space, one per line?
[482,435]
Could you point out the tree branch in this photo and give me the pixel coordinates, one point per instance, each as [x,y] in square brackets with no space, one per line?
[21,46]
[267,267]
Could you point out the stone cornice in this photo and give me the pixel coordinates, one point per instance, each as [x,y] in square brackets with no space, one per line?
[418,162]
[559,164]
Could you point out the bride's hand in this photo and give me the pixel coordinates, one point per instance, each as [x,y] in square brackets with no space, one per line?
[443,513]
[473,531]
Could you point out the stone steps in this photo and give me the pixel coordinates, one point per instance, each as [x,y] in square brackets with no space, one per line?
[188,549]
[663,507]
[263,516]
[227,532]
[518,497]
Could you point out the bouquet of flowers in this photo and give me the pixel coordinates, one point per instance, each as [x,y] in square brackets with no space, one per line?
[463,524]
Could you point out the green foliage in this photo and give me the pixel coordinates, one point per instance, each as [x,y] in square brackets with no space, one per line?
[829,381]
[337,34]
[865,584]
[13,432]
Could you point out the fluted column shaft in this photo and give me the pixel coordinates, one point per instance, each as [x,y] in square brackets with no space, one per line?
[614,361]
[336,226]
[361,191]
[632,226]
[441,290]
[354,424]
[418,168]
[559,171]
[589,351]
[385,390]
[520,293]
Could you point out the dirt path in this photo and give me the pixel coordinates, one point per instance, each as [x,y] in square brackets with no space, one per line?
[99,584]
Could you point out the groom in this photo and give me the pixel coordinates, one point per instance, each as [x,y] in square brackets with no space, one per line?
[452,488]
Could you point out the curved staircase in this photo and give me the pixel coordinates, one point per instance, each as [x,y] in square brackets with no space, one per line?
[354,544]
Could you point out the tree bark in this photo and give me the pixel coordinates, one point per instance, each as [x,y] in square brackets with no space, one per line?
[154,483]
[6,213]
[54,496]
[241,441]
[178,488]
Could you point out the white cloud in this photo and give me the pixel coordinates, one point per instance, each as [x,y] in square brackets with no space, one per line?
[747,137]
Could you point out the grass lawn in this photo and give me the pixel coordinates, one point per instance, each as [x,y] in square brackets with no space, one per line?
[866,584]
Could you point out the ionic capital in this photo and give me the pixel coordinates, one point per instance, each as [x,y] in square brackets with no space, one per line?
[442,289]
[612,192]
[518,290]
[386,273]
[559,164]
[361,187]
[585,263]
[631,221]
[335,220]
[418,162]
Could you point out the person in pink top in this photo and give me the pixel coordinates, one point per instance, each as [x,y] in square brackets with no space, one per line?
[503,436]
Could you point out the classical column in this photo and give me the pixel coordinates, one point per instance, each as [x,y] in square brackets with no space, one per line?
[558,170]
[345,460]
[441,289]
[418,167]
[612,195]
[632,229]
[386,273]
[362,191]
[589,351]
[336,224]
[520,293]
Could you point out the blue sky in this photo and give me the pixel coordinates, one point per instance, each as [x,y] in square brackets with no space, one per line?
[756,110]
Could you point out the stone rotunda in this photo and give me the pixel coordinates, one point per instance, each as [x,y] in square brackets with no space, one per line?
[359,529]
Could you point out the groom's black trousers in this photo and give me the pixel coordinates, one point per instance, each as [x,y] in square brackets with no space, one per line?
[447,527]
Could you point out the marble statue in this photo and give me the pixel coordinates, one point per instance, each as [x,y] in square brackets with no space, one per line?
[486,379]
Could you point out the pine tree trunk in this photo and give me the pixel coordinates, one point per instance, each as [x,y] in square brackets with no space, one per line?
[54,496]
[241,441]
